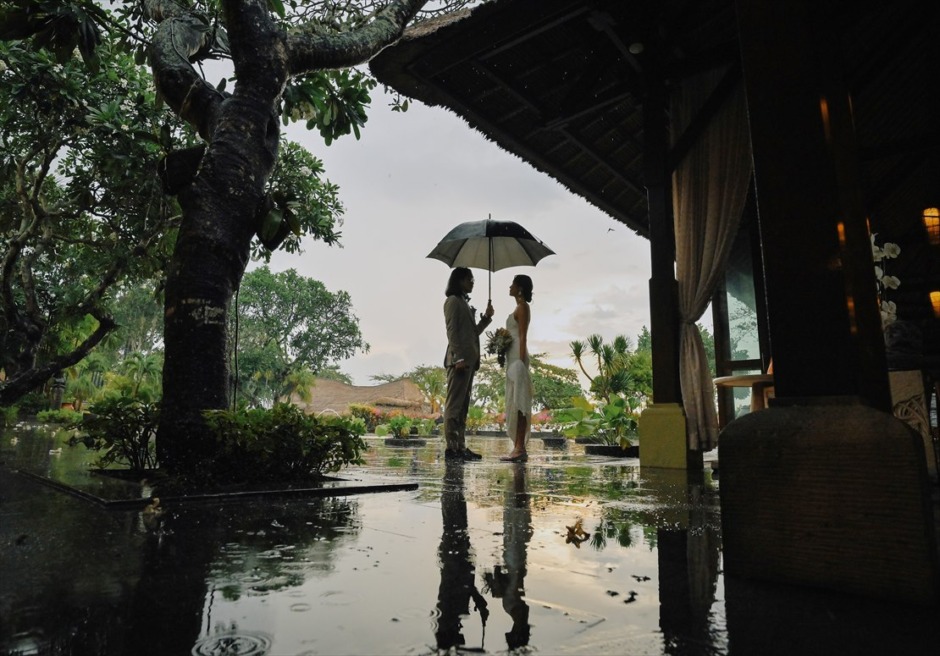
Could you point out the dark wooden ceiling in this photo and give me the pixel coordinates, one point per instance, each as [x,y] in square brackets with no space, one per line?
[561,83]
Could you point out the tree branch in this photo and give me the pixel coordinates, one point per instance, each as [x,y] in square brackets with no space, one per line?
[180,35]
[309,51]
[29,379]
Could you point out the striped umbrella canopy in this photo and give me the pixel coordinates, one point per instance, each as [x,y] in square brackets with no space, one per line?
[491,245]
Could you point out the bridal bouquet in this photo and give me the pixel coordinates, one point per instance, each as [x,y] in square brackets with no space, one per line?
[498,344]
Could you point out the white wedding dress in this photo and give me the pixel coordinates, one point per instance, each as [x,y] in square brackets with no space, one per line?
[518,385]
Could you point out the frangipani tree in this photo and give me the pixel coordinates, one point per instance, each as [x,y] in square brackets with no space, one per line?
[288,61]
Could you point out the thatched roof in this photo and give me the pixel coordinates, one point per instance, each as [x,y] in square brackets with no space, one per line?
[562,84]
[335,396]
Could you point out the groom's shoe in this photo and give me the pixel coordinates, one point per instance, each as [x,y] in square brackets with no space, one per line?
[470,455]
[451,454]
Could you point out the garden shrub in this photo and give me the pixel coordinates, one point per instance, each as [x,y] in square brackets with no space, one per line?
[124,429]
[8,415]
[425,426]
[63,416]
[32,403]
[366,413]
[280,445]
[476,419]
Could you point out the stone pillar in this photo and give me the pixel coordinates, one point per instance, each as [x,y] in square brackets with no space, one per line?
[825,488]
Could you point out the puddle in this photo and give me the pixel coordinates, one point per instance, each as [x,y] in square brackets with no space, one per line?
[567,554]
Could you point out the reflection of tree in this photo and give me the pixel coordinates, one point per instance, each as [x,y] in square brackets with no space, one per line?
[199,548]
[742,322]
[508,581]
[257,546]
[458,584]
[617,526]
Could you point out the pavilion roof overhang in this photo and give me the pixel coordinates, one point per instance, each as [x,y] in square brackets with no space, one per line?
[561,83]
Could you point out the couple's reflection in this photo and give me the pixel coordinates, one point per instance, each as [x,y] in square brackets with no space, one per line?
[507,582]
[458,580]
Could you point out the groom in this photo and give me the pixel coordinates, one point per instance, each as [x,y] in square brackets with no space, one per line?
[461,360]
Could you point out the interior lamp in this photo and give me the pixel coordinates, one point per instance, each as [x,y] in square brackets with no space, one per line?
[935,302]
[932,225]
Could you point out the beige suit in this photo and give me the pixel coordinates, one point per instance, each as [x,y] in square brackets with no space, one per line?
[463,344]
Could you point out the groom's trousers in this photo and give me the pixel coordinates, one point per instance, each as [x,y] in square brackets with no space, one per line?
[456,406]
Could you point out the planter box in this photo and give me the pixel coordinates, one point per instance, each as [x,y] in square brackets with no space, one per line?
[404,441]
[555,442]
[613,450]
[588,440]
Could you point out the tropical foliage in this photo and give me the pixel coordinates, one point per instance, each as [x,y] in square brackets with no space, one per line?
[398,425]
[291,61]
[608,423]
[80,210]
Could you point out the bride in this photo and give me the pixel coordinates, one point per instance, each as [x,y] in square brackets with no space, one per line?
[518,379]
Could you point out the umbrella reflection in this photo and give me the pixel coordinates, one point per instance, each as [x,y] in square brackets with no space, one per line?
[507,581]
[458,579]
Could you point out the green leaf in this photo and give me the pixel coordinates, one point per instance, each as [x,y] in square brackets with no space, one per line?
[270,224]
[293,221]
[277,7]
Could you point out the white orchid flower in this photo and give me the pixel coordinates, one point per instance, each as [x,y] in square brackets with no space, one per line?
[890,282]
[889,312]
[891,250]
[879,272]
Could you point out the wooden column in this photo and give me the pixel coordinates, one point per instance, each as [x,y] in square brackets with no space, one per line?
[664,295]
[825,326]
[662,425]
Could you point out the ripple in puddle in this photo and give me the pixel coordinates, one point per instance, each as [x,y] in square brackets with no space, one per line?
[233,644]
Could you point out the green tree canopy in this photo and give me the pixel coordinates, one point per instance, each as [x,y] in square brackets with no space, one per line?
[552,386]
[80,208]
[288,324]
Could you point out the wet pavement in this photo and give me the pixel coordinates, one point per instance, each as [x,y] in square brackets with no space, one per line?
[565,554]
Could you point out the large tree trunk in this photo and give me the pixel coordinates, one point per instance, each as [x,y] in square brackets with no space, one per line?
[221,204]
[219,220]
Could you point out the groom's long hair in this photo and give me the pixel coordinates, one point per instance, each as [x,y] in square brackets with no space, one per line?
[458,275]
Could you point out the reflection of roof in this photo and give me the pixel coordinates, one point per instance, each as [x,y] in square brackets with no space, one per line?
[327,395]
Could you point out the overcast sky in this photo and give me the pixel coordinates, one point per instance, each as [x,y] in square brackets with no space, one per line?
[405,184]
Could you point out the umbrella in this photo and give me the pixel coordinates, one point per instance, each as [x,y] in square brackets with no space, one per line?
[490,245]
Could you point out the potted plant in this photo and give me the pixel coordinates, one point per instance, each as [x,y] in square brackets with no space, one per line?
[617,422]
[399,426]
[604,430]
[579,422]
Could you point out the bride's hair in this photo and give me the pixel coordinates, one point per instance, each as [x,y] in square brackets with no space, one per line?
[524,283]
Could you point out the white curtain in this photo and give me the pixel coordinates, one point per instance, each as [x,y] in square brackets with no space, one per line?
[709,191]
